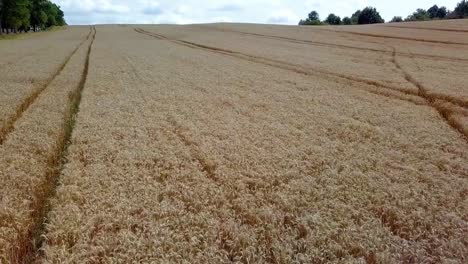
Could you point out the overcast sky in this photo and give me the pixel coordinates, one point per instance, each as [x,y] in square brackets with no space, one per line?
[253,11]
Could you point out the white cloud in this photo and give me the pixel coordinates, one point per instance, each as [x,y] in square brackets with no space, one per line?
[255,11]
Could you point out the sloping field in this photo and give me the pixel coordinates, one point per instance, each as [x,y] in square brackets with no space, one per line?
[28,66]
[242,143]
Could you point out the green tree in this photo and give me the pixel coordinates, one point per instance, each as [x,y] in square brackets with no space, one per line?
[312,19]
[396,19]
[1,12]
[437,12]
[442,13]
[51,11]
[419,15]
[60,17]
[355,17]
[333,19]
[433,11]
[23,14]
[347,21]
[314,15]
[369,15]
[38,14]
[15,14]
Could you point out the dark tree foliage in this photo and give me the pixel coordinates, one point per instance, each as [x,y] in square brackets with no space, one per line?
[314,15]
[442,13]
[1,12]
[355,17]
[23,15]
[38,15]
[419,15]
[333,19]
[369,15]
[15,14]
[312,19]
[347,21]
[437,13]
[396,19]
[461,11]
[433,11]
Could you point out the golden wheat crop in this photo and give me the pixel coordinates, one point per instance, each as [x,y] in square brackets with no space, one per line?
[250,144]
[30,156]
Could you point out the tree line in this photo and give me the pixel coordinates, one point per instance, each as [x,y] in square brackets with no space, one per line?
[26,15]
[370,15]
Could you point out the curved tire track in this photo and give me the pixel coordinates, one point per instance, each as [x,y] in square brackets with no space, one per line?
[430,28]
[341,46]
[421,92]
[302,70]
[397,37]
[446,112]
[295,68]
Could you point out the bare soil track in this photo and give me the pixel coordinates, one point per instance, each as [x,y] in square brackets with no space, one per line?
[239,143]
[431,28]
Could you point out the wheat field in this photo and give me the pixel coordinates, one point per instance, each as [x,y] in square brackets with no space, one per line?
[235,143]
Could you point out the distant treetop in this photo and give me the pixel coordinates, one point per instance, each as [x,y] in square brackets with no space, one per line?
[25,15]
[370,15]
[312,19]
[332,19]
[461,11]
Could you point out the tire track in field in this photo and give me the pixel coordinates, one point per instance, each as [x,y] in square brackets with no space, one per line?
[177,129]
[395,37]
[340,46]
[30,244]
[137,75]
[446,112]
[309,70]
[436,96]
[401,93]
[430,28]
[208,167]
[274,63]
[9,124]
[430,99]
[293,40]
